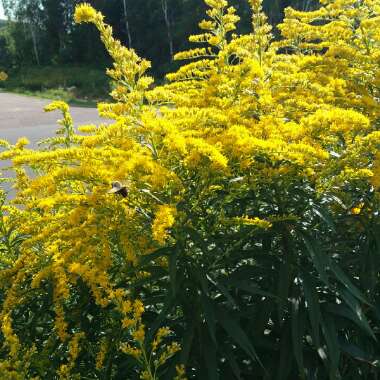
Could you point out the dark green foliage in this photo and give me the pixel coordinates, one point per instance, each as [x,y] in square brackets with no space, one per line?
[80,81]
[299,301]
[58,41]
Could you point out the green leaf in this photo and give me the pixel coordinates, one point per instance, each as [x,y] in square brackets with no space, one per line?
[232,362]
[338,201]
[156,273]
[146,259]
[318,257]
[173,270]
[262,320]
[233,329]
[331,337]
[343,278]
[284,281]
[286,358]
[312,300]
[323,214]
[187,343]
[358,353]
[209,350]
[250,287]
[297,335]
[169,303]
[209,311]
[223,289]
[246,271]
[359,316]
[376,237]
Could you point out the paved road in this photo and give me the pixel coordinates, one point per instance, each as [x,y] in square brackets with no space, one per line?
[24,116]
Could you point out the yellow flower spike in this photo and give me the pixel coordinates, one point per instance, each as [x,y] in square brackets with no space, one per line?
[22,142]
[255,3]
[57,105]
[139,334]
[132,351]
[146,375]
[11,339]
[218,4]
[357,209]
[101,355]
[164,219]
[180,372]
[84,13]
[162,333]
[66,133]
[60,323]
[128,68]
[127,323]
[256,222]
[4,144]
[87,128]
[138,309]
[74,347]
[169,352]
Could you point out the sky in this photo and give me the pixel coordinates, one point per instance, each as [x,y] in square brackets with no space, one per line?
[1,11]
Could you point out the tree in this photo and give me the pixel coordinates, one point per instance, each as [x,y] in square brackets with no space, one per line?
[165,11]
[29,14]
[156,28]
[126,20]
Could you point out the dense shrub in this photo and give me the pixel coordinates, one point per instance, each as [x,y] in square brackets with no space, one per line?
[244,214]
[81,81]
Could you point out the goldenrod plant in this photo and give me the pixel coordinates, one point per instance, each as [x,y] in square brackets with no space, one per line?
[247,243]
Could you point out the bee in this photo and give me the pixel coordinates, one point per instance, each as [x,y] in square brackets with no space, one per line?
[118,188]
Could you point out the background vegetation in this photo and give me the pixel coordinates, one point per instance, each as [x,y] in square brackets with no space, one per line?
[41,39]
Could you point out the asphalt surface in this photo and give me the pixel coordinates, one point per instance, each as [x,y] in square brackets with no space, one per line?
[23,116]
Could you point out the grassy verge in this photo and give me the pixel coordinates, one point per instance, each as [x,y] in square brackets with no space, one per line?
[53,94]
[73,84]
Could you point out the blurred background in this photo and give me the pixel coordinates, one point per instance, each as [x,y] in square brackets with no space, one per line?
[44,52]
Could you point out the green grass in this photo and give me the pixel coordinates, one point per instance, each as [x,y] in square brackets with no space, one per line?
[73,84]
[54,94]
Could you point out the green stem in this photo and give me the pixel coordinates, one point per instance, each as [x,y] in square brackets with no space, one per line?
[146,363]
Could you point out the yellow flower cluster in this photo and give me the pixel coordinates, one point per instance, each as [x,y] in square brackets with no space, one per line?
[128,67]
[101,355]
[181,373]
[164,219]
[256,222]
[64,371]
[67,130]
[21,143]
[149,359]
[3,76]
[85,13]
